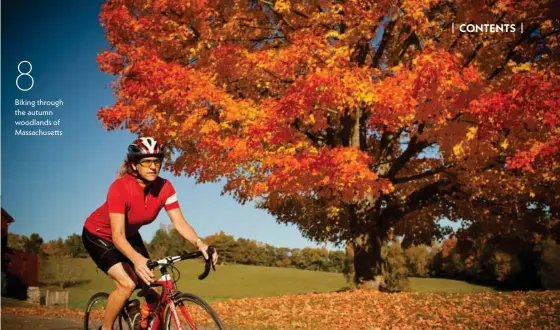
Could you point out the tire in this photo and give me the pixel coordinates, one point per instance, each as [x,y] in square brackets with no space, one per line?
[182,300]
[93,319]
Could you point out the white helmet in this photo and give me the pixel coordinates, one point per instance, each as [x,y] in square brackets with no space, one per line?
[145,147]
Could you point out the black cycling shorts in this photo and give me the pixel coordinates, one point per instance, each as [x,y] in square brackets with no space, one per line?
[105,254]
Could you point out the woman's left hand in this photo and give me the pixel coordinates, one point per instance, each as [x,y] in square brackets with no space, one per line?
[202,247]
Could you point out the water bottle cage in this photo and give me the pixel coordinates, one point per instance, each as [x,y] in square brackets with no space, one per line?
[133,303]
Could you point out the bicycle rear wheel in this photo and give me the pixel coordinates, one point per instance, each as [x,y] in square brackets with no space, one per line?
[95,311]
[193,313]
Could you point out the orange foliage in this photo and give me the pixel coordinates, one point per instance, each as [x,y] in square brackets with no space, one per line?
[374,310]
[307,106]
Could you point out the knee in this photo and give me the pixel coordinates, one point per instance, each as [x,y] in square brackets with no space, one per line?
[126,286]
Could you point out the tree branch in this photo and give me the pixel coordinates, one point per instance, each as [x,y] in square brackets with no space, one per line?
[271,7]
[387,34]
[422,175]
[414,147]
[411,40]
[511,51]
[478,46]
[419,199]
[317,141]
[544,36]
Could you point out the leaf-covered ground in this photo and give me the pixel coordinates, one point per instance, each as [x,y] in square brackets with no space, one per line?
[373,310]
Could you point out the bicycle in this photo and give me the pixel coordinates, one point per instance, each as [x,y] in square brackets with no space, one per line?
[166,311]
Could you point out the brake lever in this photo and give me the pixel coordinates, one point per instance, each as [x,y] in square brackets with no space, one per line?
[211,250]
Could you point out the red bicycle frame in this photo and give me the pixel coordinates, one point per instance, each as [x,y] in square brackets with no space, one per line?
[166,301]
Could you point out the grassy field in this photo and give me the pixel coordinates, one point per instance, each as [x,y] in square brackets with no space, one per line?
[251,297]
[441,285]
[239,281]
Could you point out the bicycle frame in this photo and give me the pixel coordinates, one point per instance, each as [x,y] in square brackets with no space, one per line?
[168,296]
[169,290]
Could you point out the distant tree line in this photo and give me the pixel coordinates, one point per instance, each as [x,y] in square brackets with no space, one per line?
[509,263]
[506,262]
[250,252]
[170,242]
[72,246]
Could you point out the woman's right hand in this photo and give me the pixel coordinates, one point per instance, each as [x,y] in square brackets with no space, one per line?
[142,270]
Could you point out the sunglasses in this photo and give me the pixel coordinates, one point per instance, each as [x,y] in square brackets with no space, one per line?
[149,162]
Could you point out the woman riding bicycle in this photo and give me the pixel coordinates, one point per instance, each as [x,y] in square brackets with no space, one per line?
[110,233]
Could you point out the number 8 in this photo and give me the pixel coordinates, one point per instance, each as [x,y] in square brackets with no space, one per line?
[25,74]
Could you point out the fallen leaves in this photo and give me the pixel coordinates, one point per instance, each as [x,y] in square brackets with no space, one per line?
[360,309]
[373,310]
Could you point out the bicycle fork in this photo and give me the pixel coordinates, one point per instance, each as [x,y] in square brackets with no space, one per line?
[156,322]
[153,325]
[174,314]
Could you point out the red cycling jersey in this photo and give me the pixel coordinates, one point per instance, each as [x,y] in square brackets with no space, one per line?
[126,196]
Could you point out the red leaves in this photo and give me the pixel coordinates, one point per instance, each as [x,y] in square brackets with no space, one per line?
[529,103]
[524,159]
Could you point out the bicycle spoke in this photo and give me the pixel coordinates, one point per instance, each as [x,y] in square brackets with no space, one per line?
[96,312]
[190,313]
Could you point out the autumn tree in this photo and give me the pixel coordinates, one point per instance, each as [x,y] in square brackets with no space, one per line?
[55,247]
[349,118]
[418,260]
[17,241]
[225,244]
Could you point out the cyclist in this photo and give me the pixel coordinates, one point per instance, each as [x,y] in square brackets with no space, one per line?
[110,233]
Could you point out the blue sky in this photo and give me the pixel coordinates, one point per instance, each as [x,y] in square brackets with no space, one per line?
[50,184]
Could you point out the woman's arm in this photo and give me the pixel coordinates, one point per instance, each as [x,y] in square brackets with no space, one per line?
[122,244]
[185,230]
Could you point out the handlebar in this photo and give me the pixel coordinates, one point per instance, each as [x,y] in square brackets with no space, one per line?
[186,255]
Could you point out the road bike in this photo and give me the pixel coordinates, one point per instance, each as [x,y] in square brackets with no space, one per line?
[174,310]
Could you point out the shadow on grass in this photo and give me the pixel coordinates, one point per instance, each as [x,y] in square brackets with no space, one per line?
[522,282]
[344,289]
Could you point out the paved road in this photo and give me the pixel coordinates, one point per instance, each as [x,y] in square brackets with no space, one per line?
[30,322]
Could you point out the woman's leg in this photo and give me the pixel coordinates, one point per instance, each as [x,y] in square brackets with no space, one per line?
[125,280]
[151,296]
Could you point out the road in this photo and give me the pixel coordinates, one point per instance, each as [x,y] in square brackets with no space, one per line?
[31,322]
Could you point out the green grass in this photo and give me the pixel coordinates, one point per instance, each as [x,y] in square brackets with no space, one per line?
[444,285]
[240,281]
[227,282]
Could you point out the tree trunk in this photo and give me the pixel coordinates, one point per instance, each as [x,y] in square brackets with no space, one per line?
[367,261]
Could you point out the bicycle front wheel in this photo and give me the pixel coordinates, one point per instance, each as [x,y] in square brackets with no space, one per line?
[193,313]
[95,312]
